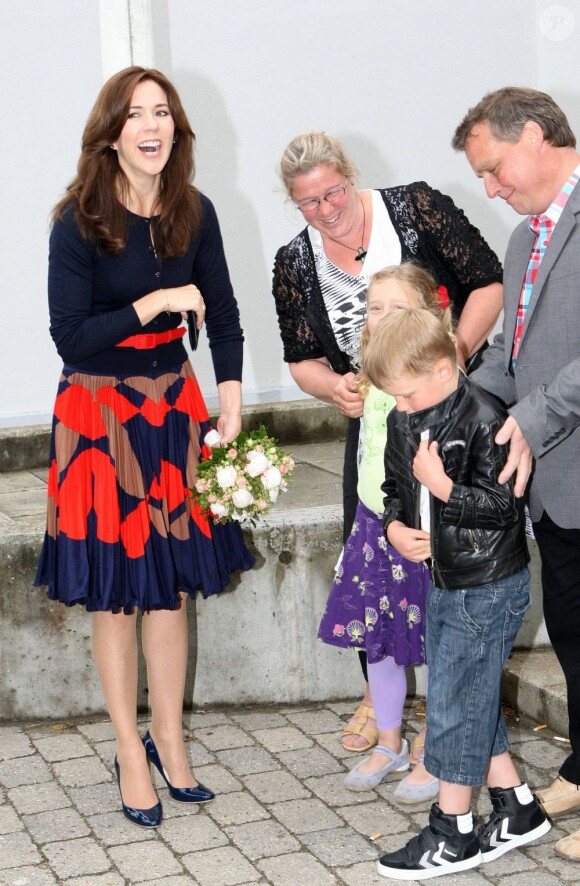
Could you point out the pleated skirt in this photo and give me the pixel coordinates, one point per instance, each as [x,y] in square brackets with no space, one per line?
[123,532]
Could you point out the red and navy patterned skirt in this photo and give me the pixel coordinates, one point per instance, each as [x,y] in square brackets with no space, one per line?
[122,531]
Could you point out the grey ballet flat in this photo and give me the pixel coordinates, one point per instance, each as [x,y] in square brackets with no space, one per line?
[416,793]
[366,781]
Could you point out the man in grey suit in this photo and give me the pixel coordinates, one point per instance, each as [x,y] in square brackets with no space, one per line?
[519,142]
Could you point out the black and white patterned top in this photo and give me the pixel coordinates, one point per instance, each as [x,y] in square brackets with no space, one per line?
[344,299]
[345,294]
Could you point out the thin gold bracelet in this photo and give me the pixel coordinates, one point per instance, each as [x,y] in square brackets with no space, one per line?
[167,307]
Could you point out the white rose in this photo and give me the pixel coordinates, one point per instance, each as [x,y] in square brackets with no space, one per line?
[212,438]
[226,477]
[257,464]
[274,493]
[272,478]
[218,510]
[242,498]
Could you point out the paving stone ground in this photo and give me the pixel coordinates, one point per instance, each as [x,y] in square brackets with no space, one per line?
[282,816]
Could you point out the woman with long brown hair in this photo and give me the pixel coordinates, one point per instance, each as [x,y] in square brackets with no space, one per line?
[135,246]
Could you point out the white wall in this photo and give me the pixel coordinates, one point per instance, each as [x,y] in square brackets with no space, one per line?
[50,70]
[391,79]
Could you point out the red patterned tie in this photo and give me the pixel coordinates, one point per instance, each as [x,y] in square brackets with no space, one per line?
[538,224]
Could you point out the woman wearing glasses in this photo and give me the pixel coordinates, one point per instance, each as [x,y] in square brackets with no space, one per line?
[320,282]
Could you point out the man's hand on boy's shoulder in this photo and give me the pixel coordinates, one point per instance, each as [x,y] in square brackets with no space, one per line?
[519,458]
[428,469]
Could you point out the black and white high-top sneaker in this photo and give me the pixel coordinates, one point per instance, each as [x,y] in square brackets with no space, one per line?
[441,848]
[517,819]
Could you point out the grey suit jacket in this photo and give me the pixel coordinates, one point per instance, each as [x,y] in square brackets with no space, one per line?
[544,396]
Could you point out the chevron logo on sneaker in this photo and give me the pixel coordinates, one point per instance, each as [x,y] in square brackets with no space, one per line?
[517,819]
[500,835]
[429,859]
[424,861]
[441,848]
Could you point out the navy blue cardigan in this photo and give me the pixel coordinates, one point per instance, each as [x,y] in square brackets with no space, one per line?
[91,295]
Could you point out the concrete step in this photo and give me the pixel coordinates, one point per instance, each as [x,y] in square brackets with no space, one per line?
[255,643]
[534,684]
[296,421]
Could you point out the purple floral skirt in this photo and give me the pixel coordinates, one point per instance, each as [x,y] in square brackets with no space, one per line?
[377,599]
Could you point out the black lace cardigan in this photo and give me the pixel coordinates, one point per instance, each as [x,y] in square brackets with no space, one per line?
[433,233]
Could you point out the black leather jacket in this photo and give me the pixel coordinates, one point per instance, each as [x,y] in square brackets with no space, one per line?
[479,534]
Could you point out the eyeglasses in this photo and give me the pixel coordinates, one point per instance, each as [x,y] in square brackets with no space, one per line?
[335,195]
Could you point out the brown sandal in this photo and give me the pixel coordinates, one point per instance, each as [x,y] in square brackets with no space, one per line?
[357,725]
[417,750]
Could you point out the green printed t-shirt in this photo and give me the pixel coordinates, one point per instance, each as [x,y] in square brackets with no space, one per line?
[371,472]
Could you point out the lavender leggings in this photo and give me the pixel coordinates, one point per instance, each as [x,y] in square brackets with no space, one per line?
[388,685]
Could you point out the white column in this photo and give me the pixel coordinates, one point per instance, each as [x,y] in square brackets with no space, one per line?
[126,35]
[141,28]
[115,36]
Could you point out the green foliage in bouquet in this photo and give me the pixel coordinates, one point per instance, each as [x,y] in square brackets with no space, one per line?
[244,478]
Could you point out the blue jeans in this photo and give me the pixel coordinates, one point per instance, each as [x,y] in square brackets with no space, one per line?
[470,633]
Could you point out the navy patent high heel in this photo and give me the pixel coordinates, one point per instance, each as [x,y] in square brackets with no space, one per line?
[146,818]
[200,794]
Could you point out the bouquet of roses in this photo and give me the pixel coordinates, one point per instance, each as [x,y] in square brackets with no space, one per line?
[242,480]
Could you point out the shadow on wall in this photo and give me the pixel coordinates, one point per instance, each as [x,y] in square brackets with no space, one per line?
[371,160]
[217,161]
[376,172]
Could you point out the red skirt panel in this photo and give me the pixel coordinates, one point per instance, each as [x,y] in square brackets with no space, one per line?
[122,531]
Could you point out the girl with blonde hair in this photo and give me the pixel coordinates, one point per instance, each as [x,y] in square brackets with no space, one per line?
[377,600]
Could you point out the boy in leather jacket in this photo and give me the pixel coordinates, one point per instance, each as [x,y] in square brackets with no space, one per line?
[443,505]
